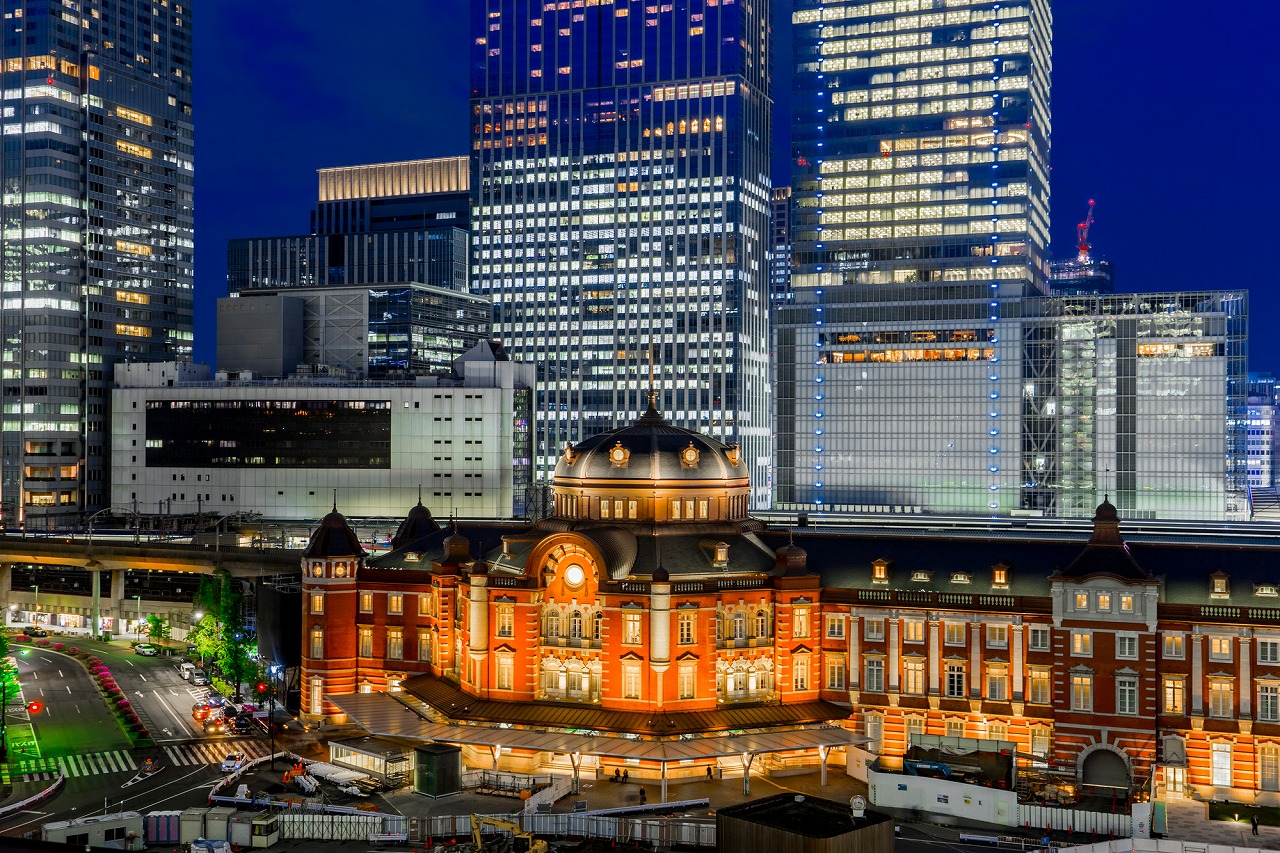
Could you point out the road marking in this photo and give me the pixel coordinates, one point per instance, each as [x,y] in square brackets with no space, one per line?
[69,690]
[126,660]
[111,760]
[173,756]
[41,691]
[60,675]
[35,675]
[45,659]
[128,760]
[143,677]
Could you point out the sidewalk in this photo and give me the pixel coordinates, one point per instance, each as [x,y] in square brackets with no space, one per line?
[1189,821]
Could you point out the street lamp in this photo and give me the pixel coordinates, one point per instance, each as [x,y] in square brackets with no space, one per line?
[36,606]
[138,622]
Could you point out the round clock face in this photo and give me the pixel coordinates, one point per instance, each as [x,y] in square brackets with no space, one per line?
[690,455]
[618,453]
[340,570]
[574,576]
[318,571]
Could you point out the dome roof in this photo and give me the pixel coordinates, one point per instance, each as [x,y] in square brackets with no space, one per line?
[334,538]
[651,449]
[416,525]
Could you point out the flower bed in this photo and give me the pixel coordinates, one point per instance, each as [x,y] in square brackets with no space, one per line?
[123,710]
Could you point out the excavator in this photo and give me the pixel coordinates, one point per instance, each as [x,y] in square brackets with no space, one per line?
[521,841]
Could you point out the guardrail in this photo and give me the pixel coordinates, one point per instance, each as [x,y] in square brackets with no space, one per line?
[658,831]
[35,799]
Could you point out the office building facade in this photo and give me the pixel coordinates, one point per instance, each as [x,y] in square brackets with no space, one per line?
[621,206]
[373,224]
[922,142]
[780,256]
[1041,412]
[96,244]
[396,330]
[182,444]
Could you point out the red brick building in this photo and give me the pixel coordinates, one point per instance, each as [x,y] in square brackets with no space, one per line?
[650,603]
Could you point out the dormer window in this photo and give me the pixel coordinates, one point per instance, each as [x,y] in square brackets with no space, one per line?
[880,571]
[1266,590]
[961,577]
[1000,576]
[722,553]
[412,557]
[921,576]
[1219,585]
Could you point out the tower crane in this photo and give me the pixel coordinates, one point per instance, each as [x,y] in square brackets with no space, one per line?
[1082,236]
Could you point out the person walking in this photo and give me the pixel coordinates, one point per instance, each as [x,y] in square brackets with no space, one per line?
[1254,822]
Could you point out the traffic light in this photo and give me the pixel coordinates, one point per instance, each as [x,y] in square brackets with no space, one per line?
[262,687]
[34,707]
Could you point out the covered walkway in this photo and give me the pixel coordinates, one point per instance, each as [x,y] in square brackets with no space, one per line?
[390,715]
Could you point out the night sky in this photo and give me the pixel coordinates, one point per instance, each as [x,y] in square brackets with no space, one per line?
[1165,113]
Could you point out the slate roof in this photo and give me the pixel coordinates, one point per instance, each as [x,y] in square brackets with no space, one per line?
[448,699]
[654,446]
[333,538]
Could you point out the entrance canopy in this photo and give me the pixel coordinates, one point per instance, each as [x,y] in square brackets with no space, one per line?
[382,714]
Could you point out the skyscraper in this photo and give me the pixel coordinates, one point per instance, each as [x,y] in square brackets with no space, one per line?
[96,243]
[921,132]
[379,223]
[621,204]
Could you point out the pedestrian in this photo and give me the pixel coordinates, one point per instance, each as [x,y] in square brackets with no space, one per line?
[1254,822]
[642,797]
[710,775]
[625,775]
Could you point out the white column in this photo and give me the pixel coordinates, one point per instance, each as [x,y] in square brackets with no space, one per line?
[855,640]
[1197,675]
[975,660]
[1246,681]
[893,659]
[1015,639]
[659,635]
[935,656]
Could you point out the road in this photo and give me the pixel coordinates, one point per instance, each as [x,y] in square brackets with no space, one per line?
[80,738]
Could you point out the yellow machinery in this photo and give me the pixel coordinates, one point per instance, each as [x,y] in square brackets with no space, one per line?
[521,841]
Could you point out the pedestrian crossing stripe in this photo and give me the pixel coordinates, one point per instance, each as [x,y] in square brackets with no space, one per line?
[96,764]
[212,753]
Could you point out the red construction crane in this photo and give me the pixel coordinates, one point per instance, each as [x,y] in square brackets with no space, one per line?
[1082,236]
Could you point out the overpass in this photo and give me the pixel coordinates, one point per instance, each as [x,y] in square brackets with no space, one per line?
[67,611]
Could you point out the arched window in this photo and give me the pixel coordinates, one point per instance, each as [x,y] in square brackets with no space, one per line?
[739,626]
[762,623]
[552,619]
[597,626]
[575,625]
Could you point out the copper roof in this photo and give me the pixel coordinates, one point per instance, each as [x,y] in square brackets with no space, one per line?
[450,700]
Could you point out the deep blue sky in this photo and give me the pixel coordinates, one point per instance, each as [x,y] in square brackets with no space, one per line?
[1165,113]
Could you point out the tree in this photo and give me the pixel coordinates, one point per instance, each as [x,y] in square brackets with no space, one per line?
[221,634]
[157,627]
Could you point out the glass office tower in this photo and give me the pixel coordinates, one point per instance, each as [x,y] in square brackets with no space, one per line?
[621,205]
[373,224]
[922,130]
[96,243]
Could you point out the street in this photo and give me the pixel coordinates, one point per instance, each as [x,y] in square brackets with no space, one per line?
[78,736]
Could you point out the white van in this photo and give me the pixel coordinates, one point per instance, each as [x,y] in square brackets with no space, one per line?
[185,669]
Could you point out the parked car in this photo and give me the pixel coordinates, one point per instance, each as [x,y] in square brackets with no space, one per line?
[233,762]
[37,632]
[199,678]
[186,669]
[146,650]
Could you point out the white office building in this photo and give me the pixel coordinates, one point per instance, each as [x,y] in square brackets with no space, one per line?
[182,443]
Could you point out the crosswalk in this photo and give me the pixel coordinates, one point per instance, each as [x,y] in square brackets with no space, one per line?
[213,752]
[120,760]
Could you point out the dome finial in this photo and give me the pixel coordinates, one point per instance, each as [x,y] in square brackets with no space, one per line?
[335,500]
[653,391]
[419,494]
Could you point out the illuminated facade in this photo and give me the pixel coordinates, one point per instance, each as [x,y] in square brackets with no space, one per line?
[1039,413]
[649,603]
[182,444]
[373,224]
[96,244]
[620,184]
[780,247]
[922,142]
